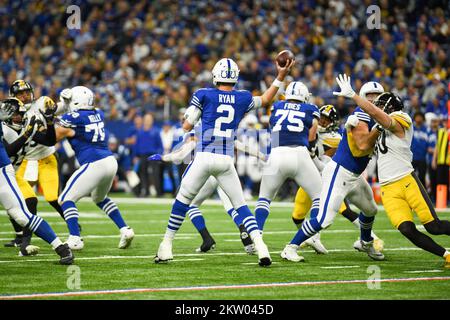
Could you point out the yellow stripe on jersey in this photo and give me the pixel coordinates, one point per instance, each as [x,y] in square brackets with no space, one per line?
[356,152]
[402,119]
[331,142]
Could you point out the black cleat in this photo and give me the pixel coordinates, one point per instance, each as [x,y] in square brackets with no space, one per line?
[26,248]
[265,262]
[208,241]
[65,253]
[249,247]
[16,242]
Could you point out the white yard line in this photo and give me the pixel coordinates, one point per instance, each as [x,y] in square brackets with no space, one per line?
[423,271]
[217,287]
[340,267]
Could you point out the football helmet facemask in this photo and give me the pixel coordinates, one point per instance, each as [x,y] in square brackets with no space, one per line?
[330,112]
[389,102]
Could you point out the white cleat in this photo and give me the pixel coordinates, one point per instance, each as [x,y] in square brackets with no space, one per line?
[263,252]
[164,252]
[126,237]
[315,243]
[368,247]
[29,250]
[290,253]
[75,242]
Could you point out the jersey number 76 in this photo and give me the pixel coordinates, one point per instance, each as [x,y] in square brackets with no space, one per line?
[99,131]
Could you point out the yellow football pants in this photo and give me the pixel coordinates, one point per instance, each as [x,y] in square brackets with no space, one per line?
[402,197]
[303,204]
[48,179]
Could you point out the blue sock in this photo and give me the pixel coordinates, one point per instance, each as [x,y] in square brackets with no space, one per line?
[177,216]
[309,228]
[262,212]
[248,219]
[71,217]
[237,219]
[366,227]
[112,211]
[196,218]
[42,229]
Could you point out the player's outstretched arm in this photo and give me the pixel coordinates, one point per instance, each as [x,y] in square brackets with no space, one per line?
[176,156]
[265,99]
[251,150]
[372,110]
[63,132]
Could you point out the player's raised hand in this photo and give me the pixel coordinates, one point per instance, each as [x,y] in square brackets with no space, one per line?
[346,88]
[155,157]
[284,71]
[6,111]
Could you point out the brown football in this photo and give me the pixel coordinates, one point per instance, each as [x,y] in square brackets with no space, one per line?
[283,56]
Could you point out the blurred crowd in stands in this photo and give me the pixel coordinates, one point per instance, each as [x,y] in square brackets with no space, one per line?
[143,60]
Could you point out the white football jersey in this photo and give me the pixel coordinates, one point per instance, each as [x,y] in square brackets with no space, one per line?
[394,153]
[10,135]
[37,151]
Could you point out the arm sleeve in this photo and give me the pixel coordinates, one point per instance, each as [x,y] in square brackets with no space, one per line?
[46,138]
[251,150]
[193,114]
[14,147]
[178,155]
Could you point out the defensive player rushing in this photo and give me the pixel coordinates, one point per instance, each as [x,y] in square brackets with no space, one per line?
[401,190]
[12,200]
[211,186]
[220,110]
[293,125]
[38,162]
[327,141]
[341,179]
[84,127]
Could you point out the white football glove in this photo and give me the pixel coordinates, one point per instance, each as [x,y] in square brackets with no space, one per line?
[65,96]
[352,121]
[6,111]
[346,88]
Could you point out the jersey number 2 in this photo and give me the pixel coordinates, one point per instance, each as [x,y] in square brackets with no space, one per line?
[226,119]
[99,131]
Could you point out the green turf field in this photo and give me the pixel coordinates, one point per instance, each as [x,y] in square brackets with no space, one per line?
[225,273]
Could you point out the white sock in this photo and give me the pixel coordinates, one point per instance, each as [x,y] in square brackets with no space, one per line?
[356,223]
[56,243]
[169,235]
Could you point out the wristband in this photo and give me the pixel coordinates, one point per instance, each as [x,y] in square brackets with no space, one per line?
[277,83]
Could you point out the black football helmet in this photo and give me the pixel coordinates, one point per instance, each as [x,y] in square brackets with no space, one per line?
[389,102]
[19,86]
[331,113]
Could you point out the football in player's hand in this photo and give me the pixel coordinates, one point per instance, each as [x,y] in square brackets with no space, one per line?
[284,56]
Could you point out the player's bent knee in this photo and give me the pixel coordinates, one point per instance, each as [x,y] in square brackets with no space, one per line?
[20,217]
[434,227]
[407,228]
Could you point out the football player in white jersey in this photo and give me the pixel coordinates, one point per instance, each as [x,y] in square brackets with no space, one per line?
[401,190]
[39,165]
[220,110]
[11,198]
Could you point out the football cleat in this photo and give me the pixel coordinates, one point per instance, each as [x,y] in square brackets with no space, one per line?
[75,242]
[126,237]
[290,253]
[368,248]
[315,243]
[263,252]
[447,262]
[28,250]
[65,253]
[16,242]
[249,247]
[164,252]
[208,244]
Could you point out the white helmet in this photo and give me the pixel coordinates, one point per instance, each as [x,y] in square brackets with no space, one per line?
[296,90]
[370,87]
[82,98]
[226,71]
